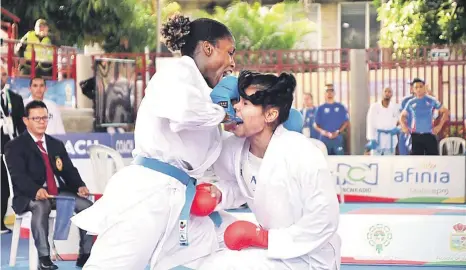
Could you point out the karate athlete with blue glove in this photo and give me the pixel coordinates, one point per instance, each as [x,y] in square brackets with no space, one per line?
[382,130]
[285,180]
[144,214]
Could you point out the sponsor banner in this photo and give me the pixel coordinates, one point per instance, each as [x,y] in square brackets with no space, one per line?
[400,178]
[123,143]
[77,144]
[403,239]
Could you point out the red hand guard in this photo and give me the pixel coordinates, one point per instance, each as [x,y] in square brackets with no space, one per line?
[204,202]
[243,234]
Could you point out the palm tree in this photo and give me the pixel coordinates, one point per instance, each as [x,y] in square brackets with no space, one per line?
[256,27]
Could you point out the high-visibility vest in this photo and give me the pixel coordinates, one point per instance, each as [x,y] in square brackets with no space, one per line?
[43,54]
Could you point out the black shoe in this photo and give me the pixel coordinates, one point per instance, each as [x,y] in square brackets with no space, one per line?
[82,259]
[4,229]
[46,264]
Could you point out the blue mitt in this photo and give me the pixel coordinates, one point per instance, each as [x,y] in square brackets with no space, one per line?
[295,121]
[223,94]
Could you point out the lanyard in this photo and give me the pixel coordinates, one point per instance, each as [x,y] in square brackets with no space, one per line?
[8,101]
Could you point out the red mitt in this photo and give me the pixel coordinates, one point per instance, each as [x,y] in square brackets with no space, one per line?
[243,234]
[204,201]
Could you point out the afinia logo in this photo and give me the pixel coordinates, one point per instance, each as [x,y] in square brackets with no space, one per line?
[357,173]
[424,176]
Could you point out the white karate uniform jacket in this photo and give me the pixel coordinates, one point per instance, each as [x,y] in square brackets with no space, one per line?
[295,200]
[176,123]
[55,124]
[379,117]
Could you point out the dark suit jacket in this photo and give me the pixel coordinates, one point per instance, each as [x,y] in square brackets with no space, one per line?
[17,113]
[27,168]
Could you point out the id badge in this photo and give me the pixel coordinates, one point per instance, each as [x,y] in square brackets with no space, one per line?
[183,229]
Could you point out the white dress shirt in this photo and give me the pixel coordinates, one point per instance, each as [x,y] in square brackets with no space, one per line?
[55,125]
[44,144]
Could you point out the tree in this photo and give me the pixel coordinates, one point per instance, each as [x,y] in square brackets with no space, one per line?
[412,23]
[106,22]
[259,28]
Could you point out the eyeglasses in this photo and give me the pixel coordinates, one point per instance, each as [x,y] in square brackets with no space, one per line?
[38,119]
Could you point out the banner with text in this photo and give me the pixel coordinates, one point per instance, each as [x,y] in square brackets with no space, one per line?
[412,239]
[438,179]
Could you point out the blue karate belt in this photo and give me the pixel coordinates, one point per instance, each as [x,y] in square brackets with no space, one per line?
[186,180]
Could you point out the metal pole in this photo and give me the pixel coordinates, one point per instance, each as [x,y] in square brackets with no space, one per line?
[159,26]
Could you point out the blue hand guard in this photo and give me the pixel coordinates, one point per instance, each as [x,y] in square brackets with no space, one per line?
[223,93]
[295,121]
[395,131]
[372,145]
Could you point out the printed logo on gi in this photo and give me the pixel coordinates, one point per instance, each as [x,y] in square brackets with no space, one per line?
[350,174]
[379,236]
[458,238]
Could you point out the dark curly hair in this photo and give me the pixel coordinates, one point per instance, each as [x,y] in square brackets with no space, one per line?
[272,90]
[183,35]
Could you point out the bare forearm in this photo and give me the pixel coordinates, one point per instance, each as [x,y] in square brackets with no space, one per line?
[403,121]
[444,118]
[319,129]
[343,127]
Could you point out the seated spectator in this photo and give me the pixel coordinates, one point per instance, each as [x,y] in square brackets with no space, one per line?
[422,130]
[382,119]
[331,119]
[308,113]
[37,87]
[43,54]
[40,167]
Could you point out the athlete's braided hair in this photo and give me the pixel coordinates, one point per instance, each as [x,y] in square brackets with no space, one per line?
[183,35]
[272,90]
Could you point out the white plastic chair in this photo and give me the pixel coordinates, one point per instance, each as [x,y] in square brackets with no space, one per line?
[100,155]
[33,256]
[324,150]
[453,146]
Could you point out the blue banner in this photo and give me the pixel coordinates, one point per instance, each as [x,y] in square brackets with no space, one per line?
[63,92]
[77,144]
[123,143]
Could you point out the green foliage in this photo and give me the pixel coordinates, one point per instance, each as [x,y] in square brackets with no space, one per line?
[104,21]
[260,28]
[411,23]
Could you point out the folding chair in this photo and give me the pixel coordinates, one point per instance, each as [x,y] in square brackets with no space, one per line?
[100,155]
[33,257]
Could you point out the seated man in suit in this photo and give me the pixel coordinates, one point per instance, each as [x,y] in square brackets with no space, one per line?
[40,167]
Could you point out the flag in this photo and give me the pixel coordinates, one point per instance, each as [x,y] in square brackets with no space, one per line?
[65,209]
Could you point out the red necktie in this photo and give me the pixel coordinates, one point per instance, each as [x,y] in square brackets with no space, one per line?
[51,185]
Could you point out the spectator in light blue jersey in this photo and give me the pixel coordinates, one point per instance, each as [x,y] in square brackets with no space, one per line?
[331,119]
[421,128]
[404,142]
[308,113]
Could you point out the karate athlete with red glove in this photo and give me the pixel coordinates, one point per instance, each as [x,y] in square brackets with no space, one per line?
[285,180]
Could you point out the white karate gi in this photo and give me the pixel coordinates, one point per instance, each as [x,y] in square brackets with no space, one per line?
[137,217]
[381,118]
[294,199]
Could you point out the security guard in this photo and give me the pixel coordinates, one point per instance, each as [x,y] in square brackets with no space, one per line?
[43,54]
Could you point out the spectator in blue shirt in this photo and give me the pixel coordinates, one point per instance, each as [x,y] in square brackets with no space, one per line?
[404,142]
[422,130]
[308,113]
[331,119]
